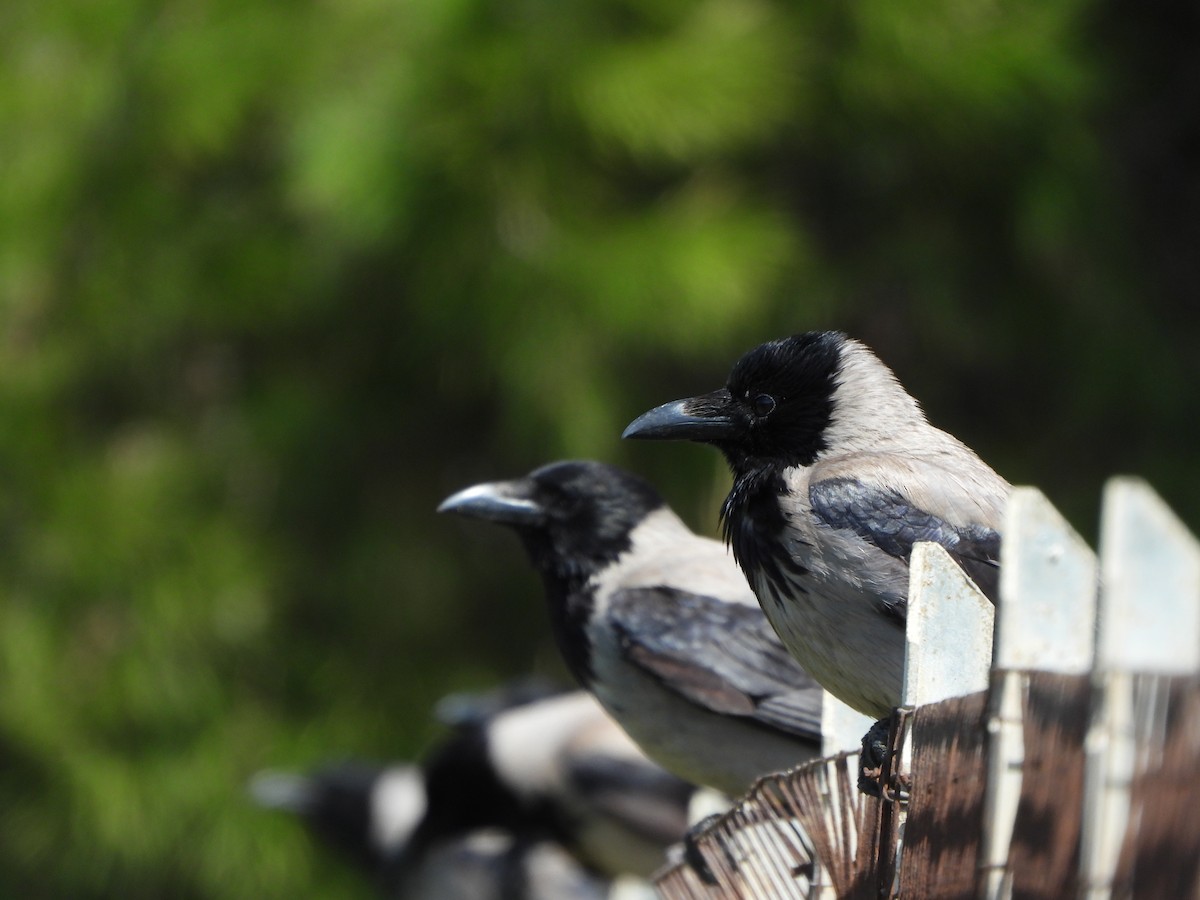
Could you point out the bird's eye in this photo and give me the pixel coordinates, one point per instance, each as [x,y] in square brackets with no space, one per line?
[762,405]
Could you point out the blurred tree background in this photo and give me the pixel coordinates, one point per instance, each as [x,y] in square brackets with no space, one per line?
[275,278]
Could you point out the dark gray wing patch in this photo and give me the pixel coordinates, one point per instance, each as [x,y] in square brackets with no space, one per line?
[892,523]
[723,656]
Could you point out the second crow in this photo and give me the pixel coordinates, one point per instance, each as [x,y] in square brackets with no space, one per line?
[658,623]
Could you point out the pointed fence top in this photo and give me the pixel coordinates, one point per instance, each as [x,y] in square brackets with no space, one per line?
[949,630]
[1150,597]
[1048,575]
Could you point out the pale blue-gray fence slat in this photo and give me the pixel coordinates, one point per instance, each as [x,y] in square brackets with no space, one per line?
[1045,622]
[1149,622]
[949,630]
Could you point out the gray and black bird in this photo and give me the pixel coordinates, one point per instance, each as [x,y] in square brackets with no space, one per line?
[658,623]
[554,772]
[836,474]
[369,814]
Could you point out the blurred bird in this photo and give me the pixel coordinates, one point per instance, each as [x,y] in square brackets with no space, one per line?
[560,765]
[368,813]
[556,771]
[658,623]
[837,474]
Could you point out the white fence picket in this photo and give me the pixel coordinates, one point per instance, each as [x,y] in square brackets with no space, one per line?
[949,630]
[1150,604]
[948,641]
[1047,616]
[1045,622]
[1149,622]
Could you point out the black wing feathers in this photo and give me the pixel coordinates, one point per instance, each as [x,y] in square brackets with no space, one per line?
[722,655]
[893,524]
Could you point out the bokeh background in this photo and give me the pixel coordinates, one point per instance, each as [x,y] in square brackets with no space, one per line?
[275,278]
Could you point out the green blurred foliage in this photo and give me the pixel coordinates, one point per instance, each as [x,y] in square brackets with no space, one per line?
[274,279]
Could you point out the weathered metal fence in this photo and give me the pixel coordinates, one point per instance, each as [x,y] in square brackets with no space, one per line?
[1061,759]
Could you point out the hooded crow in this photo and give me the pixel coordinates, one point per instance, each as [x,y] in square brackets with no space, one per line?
[658,623]
[558,769]
[837,474]
[563,766]
[369,813]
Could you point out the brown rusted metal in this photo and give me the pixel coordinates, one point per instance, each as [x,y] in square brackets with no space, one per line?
[680,882]
[753,852]
[765,849]
[865,885]
[823,796]
[1160,856]
[1044,854]
[948,777]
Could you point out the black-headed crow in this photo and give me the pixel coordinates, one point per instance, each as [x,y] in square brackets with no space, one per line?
[658,623]
[837,474]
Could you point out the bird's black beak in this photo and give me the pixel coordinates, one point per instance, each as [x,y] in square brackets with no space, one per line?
[707,418]
[506,502]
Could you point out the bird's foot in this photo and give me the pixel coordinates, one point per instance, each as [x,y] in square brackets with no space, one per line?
[874,754]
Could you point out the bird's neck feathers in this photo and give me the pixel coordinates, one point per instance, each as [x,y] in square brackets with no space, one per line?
[565,575]
[572,563]
[752,521]
[871,409]
[660,550]
[569,558]
[570,605]
[659,529]
[566,570]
